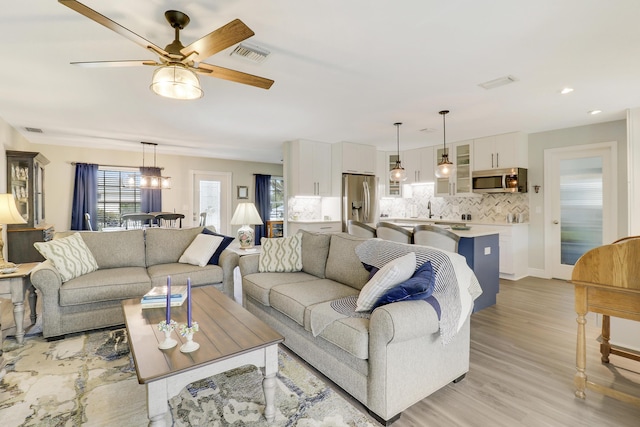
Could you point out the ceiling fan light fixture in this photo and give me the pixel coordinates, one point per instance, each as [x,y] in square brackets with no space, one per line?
[176,81]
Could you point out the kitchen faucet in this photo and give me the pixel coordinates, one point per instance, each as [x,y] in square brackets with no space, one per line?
[429,207]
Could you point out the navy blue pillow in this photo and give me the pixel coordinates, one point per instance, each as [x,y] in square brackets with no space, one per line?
[418,286]
[226,241]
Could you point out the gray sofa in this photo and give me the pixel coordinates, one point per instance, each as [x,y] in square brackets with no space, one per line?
[130,263]
[388,361]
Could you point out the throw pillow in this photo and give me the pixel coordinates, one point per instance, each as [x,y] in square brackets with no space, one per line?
[392,273]
[200,251]
[418,286]
[226,241]
[281,255]
[315,249]
[69,255]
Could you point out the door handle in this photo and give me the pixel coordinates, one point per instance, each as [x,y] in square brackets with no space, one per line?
[555,221]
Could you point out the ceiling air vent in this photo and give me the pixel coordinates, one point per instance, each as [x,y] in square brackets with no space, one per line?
[250,52]
[491,84]
[34,130]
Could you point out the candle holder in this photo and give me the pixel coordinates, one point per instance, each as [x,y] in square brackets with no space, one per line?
[167,329]
[188,332]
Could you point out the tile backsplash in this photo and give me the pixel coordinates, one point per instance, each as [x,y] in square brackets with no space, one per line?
[487,207]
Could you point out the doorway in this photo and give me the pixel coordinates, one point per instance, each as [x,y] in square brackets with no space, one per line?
[580,203]
[212,197]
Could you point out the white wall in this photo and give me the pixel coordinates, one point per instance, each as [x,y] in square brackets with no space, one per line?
[538,142]
[59,173]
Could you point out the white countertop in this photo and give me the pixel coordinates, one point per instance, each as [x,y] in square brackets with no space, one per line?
[424,220]
[474,231]
[312,221]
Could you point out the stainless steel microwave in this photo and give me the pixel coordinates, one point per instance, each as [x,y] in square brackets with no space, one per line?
[508,180]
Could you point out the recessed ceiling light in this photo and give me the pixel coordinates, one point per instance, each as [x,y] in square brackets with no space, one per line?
[566,90]
[593,112]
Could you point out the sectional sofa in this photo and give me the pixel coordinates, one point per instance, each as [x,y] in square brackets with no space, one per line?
[129,264]
[387,359]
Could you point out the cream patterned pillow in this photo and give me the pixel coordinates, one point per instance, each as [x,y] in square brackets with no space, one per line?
[281,255]
[392,273]
[69,255]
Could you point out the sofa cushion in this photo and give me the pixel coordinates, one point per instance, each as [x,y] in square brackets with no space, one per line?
[418,286]
[226,241]
[258,285]
[350,334]
[103,245]
[294,299]
[200,250]
[391,274]
[166,245]
[207,275]
[343,265]
[70,255]
[106,285]
[281,255]
[315,249]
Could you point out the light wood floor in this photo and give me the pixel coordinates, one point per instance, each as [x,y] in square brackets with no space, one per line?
[522,366]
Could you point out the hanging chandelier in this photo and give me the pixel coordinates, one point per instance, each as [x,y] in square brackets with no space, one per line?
[445,167]
[153,182]
[398,174]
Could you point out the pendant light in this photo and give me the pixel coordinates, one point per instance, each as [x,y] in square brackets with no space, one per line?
[398,174]
[445,168]
[152,182]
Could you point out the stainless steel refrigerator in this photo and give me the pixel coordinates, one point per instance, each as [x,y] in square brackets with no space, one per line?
[359,199]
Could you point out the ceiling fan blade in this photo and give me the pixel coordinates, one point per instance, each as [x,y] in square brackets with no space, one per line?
[226,36]
[125,63]
[233,75]
[112,25]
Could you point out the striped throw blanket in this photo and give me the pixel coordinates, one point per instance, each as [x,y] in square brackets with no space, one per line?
[456,285]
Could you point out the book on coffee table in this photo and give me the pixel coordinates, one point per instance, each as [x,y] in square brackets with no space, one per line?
[157,297]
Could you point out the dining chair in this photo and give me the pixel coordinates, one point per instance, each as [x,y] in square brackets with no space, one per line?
[437,237]
[137,220]
[360,229]
[87,221]
[395,233]
[169,220]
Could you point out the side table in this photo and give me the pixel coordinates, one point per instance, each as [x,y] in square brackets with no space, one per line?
[237,278]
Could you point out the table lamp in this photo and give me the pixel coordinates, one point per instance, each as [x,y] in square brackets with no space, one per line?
[245,215]
[8,215]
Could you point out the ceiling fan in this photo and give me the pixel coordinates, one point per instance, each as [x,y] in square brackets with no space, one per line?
[177,65]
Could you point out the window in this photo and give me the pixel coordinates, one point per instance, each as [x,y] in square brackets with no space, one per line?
[114,198]
[276,197]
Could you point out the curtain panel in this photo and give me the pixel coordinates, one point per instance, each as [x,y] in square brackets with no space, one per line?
[150,199]
[263,204]
[85,196]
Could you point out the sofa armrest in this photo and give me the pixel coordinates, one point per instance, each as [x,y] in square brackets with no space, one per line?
[46,278]
[228,261]
[402,321]
[249,264]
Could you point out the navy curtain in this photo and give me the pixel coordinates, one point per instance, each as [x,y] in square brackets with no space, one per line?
[150,199]
[85,196]
[263,204]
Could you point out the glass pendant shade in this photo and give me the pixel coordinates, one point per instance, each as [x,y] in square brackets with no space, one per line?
[176,81]
[445,167]
[398,174]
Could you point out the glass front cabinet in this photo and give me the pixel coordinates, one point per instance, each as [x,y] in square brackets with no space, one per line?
[25,177]
[25,180]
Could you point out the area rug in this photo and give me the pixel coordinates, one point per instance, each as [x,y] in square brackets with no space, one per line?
[89,379]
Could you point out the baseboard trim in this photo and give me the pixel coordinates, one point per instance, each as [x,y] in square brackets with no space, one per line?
[538,272]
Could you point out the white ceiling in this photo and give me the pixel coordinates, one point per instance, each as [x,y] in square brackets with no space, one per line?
[343,71]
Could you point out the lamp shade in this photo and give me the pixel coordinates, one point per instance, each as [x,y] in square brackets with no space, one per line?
[8,211]
[245,214]
[176,81]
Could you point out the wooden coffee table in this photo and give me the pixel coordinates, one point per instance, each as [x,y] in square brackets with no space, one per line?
[229,337]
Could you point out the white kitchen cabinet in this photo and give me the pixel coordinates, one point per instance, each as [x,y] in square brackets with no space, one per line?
[308,168]
[385,161]
[314,226]
[514,251]
[419,165]
[459,184]
[357,158]
[507,150]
